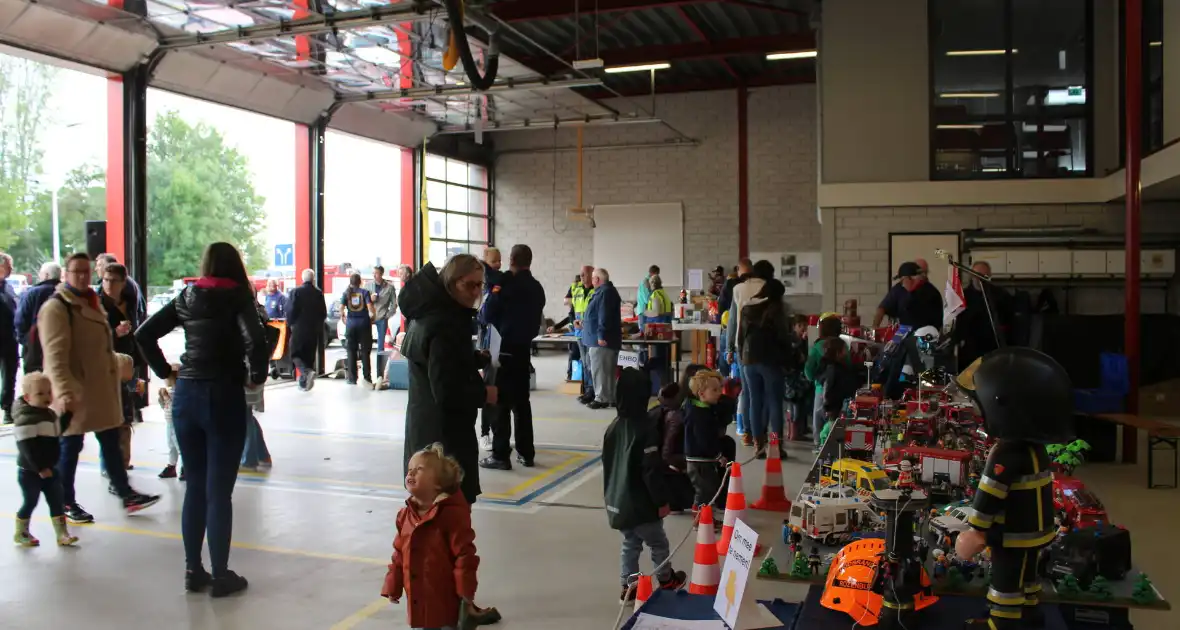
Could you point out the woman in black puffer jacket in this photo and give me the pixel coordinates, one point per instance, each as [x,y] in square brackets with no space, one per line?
[222,335]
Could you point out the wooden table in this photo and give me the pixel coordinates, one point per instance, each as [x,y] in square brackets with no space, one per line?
[1161,435]
[700,338]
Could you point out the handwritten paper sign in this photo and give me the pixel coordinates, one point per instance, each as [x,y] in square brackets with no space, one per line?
[735,571]
[628,359]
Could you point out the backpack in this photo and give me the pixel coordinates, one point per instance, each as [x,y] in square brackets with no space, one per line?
[34,357]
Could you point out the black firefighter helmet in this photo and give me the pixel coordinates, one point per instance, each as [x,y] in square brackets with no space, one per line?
[1023,395]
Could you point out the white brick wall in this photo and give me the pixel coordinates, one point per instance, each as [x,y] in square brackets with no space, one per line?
[862,244]
[531,209]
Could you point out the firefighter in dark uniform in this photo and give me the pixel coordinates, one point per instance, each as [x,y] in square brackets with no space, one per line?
[1025,398]
[514,307]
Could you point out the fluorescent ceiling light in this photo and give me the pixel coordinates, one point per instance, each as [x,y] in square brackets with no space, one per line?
[1070,96]
[994,169]
[798,54]
[960,126]
[970,95]
[639,68]
[976,53]
[1155,43]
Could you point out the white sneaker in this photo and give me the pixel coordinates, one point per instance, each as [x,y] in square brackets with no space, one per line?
[368,384]
[485,442]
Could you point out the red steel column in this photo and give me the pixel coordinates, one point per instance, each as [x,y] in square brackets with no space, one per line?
[408,209]
[743,173]
[302,199]
[116,209]
[1133,81]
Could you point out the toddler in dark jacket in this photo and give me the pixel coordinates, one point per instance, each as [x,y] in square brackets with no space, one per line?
[838,379]
[36,429]
[634,488]
[706,416]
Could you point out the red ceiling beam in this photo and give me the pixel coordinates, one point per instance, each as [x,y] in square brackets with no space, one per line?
[700,86]
[696,29]
[525,10]
[686,52]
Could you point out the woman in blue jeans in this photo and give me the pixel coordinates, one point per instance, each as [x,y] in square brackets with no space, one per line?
[225,348]
[768,348]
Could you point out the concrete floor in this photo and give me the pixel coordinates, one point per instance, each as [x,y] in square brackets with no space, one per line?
[314,534]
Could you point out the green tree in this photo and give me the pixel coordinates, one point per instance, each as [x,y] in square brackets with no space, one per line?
[199,191]
[1099,589]
[1068,587]
[81,198]
[1144,591]
[25,89]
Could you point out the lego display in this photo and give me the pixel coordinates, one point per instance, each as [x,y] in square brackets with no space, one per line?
[1144,591]
[1086,554]
[1075,505]
[769,567]
[831,519]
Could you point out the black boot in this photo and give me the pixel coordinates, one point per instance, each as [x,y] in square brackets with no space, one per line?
[197,581]
[228,584]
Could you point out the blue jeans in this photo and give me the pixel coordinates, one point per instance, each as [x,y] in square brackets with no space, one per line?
[766,387]
[32,486]
[70,447]
[743,412]
[254,450]
[382,328]
[210,418]
[650,534]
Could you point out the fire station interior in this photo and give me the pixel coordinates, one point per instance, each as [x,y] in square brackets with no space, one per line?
[837,139]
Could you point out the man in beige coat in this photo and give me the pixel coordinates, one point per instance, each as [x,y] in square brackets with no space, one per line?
[86,373]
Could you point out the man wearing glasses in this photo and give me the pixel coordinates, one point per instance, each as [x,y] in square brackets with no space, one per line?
[87,376]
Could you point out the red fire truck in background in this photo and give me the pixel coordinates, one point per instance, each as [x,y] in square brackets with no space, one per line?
[940,471]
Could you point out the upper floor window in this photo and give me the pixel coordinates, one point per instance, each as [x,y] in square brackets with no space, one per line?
[1011,88]
[457,199]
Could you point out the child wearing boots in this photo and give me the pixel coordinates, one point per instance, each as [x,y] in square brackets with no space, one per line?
[705,422]
[636,491]
[165,398]
[36,429]
[434,529]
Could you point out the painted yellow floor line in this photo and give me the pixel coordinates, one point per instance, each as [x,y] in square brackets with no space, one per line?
[574,458]
[353,620]
[134,531]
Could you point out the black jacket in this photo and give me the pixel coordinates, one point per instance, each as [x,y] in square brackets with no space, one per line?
[923,307]
[840,384]
[36,431]
[770,343]
[306,312]
[704,426]
[446,390]
[221,328]
[726,298]
[1017,483]
[633,482]
[515,306]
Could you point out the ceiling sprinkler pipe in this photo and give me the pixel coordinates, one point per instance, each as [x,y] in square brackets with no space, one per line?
[492,65]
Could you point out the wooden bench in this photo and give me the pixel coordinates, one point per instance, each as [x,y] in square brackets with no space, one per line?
[1161,435]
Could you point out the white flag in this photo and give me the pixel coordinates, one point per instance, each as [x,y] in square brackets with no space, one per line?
[952,296]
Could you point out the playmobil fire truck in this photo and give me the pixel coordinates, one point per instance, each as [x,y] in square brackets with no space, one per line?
[1077,506]
[941,471]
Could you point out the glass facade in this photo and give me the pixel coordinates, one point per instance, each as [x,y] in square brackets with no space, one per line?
[1010,88]
[458,210]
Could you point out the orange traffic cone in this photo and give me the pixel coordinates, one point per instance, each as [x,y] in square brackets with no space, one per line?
[735,508]
[643,590]
[773,497]
[706,572]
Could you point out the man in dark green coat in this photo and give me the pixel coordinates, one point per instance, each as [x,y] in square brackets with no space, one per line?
[633,483]
[446,390]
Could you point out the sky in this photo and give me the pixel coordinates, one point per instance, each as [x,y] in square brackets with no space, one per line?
[362,177]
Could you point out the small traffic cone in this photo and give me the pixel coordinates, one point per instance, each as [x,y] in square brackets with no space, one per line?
[643,590]
[706,572]
[735,508]
[774,498]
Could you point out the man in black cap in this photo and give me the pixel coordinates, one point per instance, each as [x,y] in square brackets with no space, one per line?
[922,304]
[891,304]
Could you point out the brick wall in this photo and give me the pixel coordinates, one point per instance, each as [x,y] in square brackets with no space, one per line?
[862,244]
[534,189]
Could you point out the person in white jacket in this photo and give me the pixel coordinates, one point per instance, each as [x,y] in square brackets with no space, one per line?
[742,293]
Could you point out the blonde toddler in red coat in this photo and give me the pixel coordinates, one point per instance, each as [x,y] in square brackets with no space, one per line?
[434,560]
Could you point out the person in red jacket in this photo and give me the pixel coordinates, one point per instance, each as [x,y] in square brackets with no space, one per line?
[434,559]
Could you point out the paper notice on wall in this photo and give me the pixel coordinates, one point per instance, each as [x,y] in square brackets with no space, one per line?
[696,280]
[800,272]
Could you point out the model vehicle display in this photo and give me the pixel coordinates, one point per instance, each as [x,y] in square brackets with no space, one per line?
[1077,506]
[1102,551]
[831,520]
[855,473]
[949,525]
[942,472]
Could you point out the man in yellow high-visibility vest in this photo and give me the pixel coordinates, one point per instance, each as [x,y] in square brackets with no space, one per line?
[579,295]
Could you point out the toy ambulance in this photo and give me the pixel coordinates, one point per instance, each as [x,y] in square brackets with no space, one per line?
[832,520]
[855,473]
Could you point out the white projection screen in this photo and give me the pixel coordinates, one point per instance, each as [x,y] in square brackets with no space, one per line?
[629,238]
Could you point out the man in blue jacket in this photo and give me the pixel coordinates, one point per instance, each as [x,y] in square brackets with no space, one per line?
[48,277]
[514,307]
[602,333]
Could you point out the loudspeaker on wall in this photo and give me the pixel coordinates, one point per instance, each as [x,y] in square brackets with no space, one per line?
[96,238]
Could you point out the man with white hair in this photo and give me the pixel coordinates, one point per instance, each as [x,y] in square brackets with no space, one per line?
[306,312]
[26,314]
[8,338]
[602,333]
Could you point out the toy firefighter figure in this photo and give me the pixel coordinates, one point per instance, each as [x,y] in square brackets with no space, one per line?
[813,560]
[1026,401]
[796,541]
[905,475]
[940,564]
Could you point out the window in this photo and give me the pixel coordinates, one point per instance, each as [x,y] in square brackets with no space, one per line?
[457,199]
[841,518]
[1010,88]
